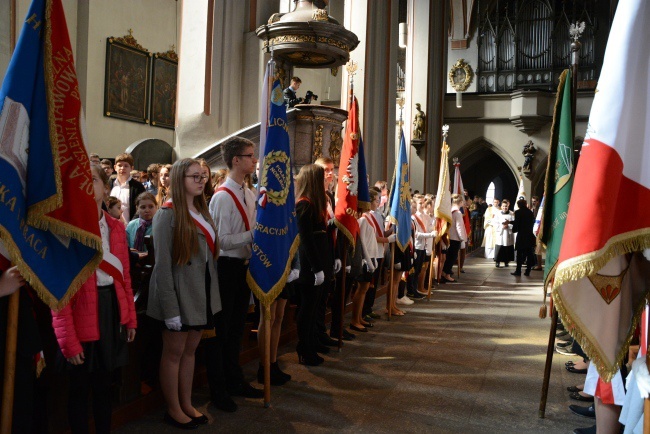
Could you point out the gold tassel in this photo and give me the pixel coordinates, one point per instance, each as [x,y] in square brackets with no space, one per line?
[542,311]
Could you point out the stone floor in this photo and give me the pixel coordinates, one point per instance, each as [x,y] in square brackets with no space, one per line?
[469,361]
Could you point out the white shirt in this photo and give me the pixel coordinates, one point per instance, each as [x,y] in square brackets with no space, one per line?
[234,239]
[122,193]
[103,279]
[422,231]
[369,239]
[428,238]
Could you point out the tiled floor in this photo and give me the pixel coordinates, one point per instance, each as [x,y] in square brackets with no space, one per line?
[470,360]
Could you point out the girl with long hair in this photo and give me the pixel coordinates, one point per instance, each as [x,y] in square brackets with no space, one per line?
[314,256]
[164,184]
[184,289]
[94,328]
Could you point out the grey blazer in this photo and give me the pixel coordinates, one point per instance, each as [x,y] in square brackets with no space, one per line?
[180,289]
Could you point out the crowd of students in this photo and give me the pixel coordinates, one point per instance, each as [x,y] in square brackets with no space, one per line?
[200,223]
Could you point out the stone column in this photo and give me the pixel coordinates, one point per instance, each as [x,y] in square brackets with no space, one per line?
[436,91]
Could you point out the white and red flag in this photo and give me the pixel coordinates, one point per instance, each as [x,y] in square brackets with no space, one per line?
[602,277]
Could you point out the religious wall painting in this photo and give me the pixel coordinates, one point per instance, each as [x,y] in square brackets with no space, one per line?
[126,82]
[163,89]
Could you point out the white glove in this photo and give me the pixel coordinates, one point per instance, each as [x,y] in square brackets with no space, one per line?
[646,253]
[293,275]
[398,265]
[174,323]
[337,265]
[319,278]
[370,267]
[415,255]
[434,233]
[392,238]
[348,268]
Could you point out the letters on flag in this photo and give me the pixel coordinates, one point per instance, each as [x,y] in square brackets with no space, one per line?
[351,170]
[602,278]
[46,188]
[275,236]
[559,177]
[400,197]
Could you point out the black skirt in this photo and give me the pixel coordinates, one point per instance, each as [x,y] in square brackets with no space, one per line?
[504,253]
[110,351]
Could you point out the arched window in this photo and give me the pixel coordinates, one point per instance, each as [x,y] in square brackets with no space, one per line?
[525,44]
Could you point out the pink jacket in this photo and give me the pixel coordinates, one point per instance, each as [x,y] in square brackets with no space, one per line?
[78,321]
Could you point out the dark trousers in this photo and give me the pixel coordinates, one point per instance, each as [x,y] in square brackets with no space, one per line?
[417,267]
[335,302]
[321,309]
[369,301]
[306,321]
[81,383]
[222,352]
[525,254]
[452,255]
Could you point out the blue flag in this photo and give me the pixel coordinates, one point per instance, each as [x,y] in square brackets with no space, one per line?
[46,191]
[400,197]
[363,194]
[275,236]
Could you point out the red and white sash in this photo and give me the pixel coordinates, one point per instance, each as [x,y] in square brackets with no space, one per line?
[375,224]
[239,205]
[112,266]
[420,222]
[202,225]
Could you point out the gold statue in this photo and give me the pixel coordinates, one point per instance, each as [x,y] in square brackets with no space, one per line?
[419,123]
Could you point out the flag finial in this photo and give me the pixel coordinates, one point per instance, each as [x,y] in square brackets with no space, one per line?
[445,132]
[400,103]
[576,30]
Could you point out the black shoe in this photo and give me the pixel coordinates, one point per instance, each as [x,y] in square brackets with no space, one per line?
[224,402]
[374,315]
[326,340]
[247,391]
[176,424]
[309,359]
[358,329]
[527,273]
[275,369]
[573,389]
[576,371]
[578,397]
[323,349]
[347,336]
[516,273]
[275,379]
[565,344]
[497,265]
[590,430]
[583,411]
[200,420]
[367,324]
[507,264]
[416,296]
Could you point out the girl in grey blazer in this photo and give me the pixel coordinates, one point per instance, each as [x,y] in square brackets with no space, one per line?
[184,289]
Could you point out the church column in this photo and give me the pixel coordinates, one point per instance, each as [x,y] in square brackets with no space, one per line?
[437,77]
[375,23]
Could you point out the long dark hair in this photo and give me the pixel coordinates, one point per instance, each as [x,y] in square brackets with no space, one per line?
[310,184]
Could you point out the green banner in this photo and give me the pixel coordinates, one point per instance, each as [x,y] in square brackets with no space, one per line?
[559,177]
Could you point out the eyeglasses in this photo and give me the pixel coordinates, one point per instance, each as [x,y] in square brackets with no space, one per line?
[198,178]
[251,155]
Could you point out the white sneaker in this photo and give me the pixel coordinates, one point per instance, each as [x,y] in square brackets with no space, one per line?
[404,300]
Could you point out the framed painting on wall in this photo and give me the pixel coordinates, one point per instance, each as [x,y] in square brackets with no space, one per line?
[126,82]
[163,89]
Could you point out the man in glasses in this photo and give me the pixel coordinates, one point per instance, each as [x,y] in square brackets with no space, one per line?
[233,209]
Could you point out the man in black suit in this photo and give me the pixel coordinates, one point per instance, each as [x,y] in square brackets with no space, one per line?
[124,187]
[525,243]
[290,98]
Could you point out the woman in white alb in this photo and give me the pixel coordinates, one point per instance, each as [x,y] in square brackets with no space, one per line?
[505,241]
[489,236]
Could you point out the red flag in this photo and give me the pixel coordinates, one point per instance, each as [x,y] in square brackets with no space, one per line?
[602,279]
[345,214]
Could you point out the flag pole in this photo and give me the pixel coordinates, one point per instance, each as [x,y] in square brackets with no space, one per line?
[389,295]
[267,356]
[6,413]
[433,257]
[547,366]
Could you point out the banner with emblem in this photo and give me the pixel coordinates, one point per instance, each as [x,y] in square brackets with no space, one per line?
[275,235]
[559,177]
[46,188]
[442,208]
[349,182]
[603,272]
[400,197]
